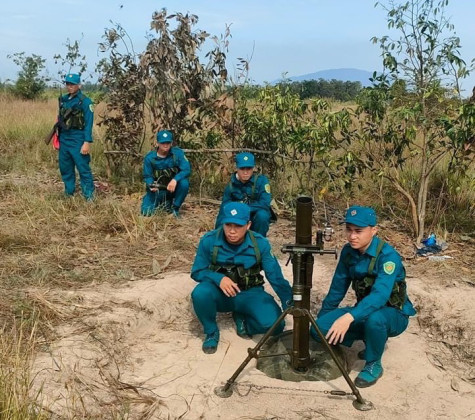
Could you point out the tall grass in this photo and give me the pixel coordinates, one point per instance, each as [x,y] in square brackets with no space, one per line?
[19,400]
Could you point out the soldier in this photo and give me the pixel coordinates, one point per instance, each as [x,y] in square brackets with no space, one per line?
[165,172]
[375,271]
[228,266]
[254,190]
[75,119]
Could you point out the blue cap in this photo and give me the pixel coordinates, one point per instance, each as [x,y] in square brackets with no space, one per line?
[245,160]
[164,136]
[361,216]
[72,78]
[237,213]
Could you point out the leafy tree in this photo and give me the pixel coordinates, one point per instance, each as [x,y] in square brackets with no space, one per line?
[168,84]
[30,84]
[413,119]
[123,78]
[334,89]
[302,136]
[72,61]
[180,86]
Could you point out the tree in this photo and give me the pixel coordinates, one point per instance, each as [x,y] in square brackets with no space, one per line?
[167,85]
[180,86]
[30,84]
[301,134]
[413,120]
[73,60]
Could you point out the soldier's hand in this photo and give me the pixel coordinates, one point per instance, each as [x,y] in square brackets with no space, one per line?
[172,185]
[86,146]
[337,331]
[229,288]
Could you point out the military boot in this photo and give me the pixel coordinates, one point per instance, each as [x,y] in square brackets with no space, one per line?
[371,372]
[210,344]
[240,322]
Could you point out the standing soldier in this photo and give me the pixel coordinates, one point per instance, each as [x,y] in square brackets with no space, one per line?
[165,173]
[254,190]
[75,119]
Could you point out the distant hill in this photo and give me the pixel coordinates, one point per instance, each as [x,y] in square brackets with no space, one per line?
[352,75]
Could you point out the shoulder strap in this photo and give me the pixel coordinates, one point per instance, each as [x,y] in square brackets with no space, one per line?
[214,255]
[256,247]
[373,260]
[253,191]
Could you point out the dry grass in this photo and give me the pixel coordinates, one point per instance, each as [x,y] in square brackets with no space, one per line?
[50,243]
[18,401]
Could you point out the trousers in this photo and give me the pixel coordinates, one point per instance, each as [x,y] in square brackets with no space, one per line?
[374,331]
[70,159]
[163,198]
[256,306]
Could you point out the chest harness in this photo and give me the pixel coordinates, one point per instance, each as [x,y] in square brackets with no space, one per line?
[248,199]
[71,118]
[237,195]
[363,286]
[245,278]
[162,177]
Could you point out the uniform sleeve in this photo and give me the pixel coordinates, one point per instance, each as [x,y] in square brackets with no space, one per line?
[338,288]
[200,271]
[274,275]
[183,166]
[264,196]
[147,170]
[388,266]
[88,108]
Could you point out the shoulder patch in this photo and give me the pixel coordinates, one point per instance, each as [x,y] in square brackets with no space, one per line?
[389,267]
[267,188]
[91,107]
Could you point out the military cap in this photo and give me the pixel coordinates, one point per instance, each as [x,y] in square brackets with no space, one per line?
[361,216]
[72,78]
[245,160]
[236,213]
[164,136]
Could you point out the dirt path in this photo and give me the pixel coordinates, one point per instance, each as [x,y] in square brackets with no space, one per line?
[141,343]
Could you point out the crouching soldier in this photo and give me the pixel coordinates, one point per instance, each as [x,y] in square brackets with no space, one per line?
[252,189]
[228,266]
[165,173]
[375,271]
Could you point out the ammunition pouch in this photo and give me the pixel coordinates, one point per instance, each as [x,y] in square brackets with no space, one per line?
[71,119]
[245,278]
[163,177]
[362,288]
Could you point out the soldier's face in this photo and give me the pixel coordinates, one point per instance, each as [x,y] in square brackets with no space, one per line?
[360,238]
[72,88]
[164,148]
[244,174]
[235,234]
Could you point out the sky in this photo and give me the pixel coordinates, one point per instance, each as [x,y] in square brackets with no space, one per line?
[278,36]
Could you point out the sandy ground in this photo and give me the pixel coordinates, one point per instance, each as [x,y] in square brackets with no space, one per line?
[139,346]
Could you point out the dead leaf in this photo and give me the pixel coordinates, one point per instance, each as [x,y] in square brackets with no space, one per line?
[435,361]
[167,262]
[455,385]
[156,267]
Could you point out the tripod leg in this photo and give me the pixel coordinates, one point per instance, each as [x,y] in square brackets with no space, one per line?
[360,403]
[226,391]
